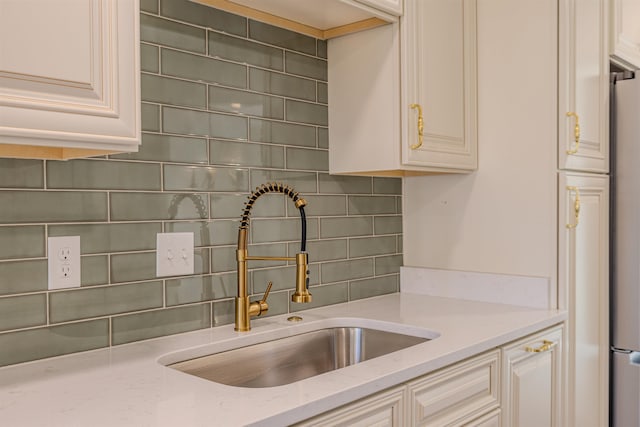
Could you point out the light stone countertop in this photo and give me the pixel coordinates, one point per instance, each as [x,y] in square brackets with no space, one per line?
[127,386]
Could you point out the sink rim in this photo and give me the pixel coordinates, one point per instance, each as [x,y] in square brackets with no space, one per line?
[309,324]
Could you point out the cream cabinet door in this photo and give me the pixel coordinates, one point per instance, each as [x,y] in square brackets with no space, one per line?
[532,382]
[583,87]
[439,94]
[625,31]
[584,279]
[69,77]
[385,409]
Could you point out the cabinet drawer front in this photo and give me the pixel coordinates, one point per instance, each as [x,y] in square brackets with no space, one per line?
[385,409]
[490,420]
[456,394]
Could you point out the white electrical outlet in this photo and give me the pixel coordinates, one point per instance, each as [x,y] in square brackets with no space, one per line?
[174,255]
[64,262]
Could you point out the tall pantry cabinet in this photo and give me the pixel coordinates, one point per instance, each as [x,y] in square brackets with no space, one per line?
[583,205]
[538,203]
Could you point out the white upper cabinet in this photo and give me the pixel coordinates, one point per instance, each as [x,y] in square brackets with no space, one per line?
[69,78]
[402,98]
[439,88]
[583,131]
[320,19]
[625,31]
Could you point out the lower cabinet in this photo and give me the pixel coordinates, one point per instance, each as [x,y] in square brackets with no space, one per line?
[517,385]
[532,382]
[383,409]
[457,394]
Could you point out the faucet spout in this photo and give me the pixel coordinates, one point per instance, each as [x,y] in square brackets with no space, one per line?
[244,309]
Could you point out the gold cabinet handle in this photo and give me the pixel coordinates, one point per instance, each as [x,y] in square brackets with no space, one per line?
[576,133]
[420,126]
[576,206]
[546,346]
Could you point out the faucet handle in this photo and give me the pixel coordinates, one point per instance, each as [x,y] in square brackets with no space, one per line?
[256,308]
[266,293]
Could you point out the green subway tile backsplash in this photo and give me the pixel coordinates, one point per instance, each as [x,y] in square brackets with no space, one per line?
[246,103]
[33,344]
[150,114]
[170,91]
[325,295]
[149,58]
[154,206]
[246,154]
[228,104]
[201,123]
[95,270]
[366,288]
[22,242]
[281,133]
[282,84]
[103,175]
[203,69]
[23,311]
[101,301]
[306,66]
[306,159]
[245,51]
[280,37]
[368,246]
[346,270]
[305,112]
[200,288]
[21,173]
[18,277]
[151,324]
[201,178]
[171,33]
[169,148]
[103,238]
[197,14]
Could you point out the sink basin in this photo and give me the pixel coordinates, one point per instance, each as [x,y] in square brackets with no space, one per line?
[286,360]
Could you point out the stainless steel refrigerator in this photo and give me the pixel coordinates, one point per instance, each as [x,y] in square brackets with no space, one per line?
[625,259]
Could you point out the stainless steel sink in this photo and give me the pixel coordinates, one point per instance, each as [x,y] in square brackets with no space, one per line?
[294,358]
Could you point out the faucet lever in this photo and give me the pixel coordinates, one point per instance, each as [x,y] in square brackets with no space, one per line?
[256,308]
[266,293]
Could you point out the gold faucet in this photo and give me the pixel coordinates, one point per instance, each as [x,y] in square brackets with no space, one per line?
[244,309]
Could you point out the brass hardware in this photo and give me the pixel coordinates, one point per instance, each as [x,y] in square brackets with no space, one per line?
[300,203]
[256,308]
[576,133]
[294,319]
[245,309]
[420,126]
[546,346]
[302,294]
[576,206]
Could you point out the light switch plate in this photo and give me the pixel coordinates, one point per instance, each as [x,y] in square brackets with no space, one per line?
[63,259]
[174,256]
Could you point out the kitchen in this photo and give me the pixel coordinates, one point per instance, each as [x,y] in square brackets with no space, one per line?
[501,219]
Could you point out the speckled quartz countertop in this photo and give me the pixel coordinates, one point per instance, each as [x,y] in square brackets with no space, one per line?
[127,386]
